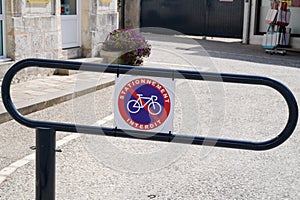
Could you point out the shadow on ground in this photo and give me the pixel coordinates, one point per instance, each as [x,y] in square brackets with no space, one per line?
[244,52]
[230,49]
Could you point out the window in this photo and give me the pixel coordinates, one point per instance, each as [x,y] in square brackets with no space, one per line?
[68,7]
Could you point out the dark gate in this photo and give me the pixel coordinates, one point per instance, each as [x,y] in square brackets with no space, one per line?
[222,18]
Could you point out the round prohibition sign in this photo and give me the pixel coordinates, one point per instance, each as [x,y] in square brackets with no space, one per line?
[144,104]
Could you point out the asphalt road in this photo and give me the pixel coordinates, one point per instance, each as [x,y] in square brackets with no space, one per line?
[95,167]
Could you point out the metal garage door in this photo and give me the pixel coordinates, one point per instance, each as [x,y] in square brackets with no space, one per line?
[222,18]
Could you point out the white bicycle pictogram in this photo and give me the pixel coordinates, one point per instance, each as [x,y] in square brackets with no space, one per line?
[134,106]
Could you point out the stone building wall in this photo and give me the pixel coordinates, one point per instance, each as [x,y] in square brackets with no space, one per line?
[32,30]
[102,18]
[35,30]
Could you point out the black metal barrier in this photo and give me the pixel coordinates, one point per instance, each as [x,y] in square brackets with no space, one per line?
[45,131]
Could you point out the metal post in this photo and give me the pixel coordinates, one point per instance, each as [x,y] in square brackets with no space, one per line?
[122,24]
[45,163]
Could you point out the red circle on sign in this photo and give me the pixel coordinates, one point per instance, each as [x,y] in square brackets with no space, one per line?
[144,104]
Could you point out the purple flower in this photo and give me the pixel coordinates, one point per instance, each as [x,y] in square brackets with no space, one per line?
[134,45]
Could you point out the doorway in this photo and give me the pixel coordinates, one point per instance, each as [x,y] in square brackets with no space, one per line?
[70,23]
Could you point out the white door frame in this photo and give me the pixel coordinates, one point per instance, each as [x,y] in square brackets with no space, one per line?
[2,18]
[66,18]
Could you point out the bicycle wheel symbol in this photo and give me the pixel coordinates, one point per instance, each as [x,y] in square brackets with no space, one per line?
[133,106]
[154,108]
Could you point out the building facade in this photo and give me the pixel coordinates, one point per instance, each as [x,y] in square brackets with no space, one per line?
[58,29]
[253,16]
[53,28]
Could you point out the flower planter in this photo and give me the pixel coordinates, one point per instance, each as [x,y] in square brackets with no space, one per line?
[124,46]
[113,57]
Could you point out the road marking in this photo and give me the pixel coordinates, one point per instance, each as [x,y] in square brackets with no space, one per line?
[2,179]
[7,171]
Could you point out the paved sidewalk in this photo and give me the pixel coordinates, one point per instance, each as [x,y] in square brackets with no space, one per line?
[38,94]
